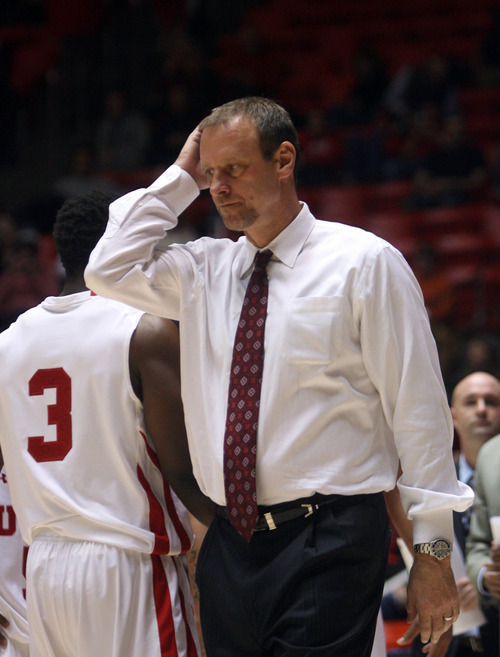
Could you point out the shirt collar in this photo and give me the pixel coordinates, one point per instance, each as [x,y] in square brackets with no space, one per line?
[287,245]
[464,469]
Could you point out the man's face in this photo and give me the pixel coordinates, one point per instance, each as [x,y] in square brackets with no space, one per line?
[476,411]
[244,186]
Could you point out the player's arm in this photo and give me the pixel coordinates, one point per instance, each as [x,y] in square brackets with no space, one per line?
[155,373]
[192,560]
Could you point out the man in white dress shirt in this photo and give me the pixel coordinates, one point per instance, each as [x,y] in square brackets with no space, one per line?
[351,386]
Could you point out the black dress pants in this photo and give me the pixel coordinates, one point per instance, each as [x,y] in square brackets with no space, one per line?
[312,587]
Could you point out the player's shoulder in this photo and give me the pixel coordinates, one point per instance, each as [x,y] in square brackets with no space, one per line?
[155,332]
[105,304]
[20,324]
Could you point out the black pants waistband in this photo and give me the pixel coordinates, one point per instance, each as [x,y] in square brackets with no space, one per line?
[272,516]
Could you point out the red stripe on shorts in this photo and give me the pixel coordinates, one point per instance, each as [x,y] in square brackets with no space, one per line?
[192,651]
[163,604]
[156,517]
[169,502]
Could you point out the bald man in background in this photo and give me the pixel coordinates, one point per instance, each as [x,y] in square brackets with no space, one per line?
[475,408]
[483,428]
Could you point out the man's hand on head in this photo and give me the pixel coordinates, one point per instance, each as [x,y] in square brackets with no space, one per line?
[189,159]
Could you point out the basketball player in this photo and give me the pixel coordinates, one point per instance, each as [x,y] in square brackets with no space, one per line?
[13,553]
[92,429]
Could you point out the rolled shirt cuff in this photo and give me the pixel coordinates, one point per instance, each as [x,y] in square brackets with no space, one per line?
[433,524]
[182,188]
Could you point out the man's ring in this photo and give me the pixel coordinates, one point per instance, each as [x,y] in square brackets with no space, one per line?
[447,618]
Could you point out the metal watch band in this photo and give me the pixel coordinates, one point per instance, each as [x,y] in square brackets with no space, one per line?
[439,548]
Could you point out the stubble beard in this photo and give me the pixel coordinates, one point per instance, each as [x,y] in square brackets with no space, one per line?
[239,220]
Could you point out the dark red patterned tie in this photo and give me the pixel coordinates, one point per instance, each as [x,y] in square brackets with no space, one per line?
[240,442]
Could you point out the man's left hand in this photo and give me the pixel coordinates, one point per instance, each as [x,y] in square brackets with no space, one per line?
[430,649]
[432,596]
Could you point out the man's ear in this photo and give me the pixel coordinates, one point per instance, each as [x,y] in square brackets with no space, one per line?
[285,158]
[452,411]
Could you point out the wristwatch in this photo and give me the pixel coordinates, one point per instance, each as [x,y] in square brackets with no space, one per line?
[439,548]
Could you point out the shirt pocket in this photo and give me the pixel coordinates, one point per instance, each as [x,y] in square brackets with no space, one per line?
[309,331]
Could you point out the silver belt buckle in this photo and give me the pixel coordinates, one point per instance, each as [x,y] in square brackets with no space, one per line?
[269,519]
[311,508]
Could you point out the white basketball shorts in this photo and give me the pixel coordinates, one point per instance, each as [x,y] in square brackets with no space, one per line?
[87,599]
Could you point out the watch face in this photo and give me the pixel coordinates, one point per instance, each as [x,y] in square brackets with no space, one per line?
[440,549]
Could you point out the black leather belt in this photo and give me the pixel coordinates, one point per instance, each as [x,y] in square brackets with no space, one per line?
[272,516]
[271,519]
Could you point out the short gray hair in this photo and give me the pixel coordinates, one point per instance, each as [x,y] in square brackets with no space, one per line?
[273,122]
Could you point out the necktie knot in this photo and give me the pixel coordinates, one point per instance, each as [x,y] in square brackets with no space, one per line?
[261,259]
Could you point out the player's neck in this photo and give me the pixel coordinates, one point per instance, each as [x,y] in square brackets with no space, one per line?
[73,285]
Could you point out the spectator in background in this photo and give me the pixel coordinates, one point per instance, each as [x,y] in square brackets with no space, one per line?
[437,286]
[320,151]
[362,111]
[122,135]
[209,20]
[25,281]
[453,173]
[83,176]
[171,121]
[241,75]
[440,297]
[417,90]
[488,59]
[495,191]
[483,548]
[363,102]
[7,232]
[408,143]
[479,352]
[184,64]
[9,105]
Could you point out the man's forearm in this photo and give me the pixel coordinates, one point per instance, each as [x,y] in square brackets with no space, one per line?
[123,262]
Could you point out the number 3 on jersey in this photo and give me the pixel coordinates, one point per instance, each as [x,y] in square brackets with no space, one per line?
[58,414]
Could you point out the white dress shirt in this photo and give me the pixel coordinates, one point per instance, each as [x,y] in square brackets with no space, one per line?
[351,380]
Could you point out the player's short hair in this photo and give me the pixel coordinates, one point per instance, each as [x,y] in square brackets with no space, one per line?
[79,224]
[273,123]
